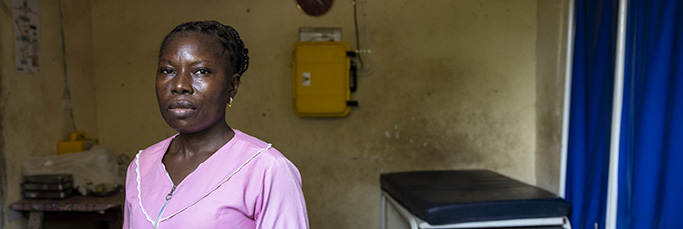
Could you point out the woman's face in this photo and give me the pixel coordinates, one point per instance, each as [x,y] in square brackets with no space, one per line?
[193,82]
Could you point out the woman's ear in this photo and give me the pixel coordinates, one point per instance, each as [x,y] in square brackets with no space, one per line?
[234,84]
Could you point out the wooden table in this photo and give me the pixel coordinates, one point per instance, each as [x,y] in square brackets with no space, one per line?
[92,208]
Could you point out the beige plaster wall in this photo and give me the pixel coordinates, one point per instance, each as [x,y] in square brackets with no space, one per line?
[450,84]
[550,74]
[33,119]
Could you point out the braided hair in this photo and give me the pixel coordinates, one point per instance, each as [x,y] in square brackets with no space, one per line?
[225,34]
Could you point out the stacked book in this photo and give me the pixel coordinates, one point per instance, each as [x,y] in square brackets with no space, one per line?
[53,186]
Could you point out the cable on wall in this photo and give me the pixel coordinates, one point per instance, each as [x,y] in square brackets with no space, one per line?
[363,64]
[66,96]
[355,24]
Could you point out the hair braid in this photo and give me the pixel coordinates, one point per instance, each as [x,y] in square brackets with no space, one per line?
[225,34]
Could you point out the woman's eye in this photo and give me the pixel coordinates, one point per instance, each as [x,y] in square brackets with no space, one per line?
[166,71]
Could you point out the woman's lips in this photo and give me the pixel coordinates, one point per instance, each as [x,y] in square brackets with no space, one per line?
[181,108]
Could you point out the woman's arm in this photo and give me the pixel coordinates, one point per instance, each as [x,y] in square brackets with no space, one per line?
[283,204]
[126,215]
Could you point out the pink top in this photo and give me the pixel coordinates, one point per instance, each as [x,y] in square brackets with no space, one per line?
[245,184]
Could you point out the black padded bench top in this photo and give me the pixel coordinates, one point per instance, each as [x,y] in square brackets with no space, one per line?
[458,196]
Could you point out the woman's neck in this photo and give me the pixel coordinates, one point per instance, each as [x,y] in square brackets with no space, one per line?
[203,142]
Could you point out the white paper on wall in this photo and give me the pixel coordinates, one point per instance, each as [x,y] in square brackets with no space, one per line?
[26,20]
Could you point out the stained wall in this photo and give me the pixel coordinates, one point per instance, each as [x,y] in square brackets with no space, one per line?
[551,56]
[33,119]
[448,85]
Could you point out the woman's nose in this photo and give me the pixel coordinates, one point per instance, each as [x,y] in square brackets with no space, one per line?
[182,83]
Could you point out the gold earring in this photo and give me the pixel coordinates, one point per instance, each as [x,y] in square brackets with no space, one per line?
[230,102]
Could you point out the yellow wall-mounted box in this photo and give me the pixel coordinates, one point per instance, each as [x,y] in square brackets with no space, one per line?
[320,79]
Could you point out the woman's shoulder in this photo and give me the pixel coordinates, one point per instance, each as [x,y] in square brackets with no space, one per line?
[251,143]
[159,147]
[153,152]
[245,140]
[271,162]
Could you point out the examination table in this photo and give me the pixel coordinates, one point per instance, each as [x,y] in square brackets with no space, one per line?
[470,199]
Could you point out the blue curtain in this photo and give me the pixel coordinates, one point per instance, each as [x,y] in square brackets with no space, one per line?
[651,140]
[590,113]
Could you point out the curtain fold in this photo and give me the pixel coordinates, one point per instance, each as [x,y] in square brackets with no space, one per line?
[590,113]
[651,142]
[650,178]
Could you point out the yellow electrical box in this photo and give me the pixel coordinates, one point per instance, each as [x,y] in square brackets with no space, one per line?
[78,142]
[320,79]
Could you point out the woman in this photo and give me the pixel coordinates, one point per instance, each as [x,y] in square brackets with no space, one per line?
[208,175]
